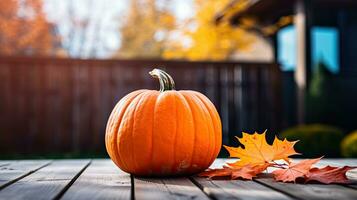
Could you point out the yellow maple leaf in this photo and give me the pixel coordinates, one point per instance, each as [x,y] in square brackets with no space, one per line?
[257,151]
[283,149]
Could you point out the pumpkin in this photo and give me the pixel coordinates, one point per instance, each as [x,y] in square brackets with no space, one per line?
[163,133]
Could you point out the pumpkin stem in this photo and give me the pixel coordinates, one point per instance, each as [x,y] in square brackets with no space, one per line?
[166,81]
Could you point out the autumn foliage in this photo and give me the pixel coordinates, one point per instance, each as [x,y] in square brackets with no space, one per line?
[257,155]
[208,40]
[24,29]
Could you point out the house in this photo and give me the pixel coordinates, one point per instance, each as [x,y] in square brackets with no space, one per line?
[319,26]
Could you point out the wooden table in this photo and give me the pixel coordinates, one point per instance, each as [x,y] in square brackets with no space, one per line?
[101,179]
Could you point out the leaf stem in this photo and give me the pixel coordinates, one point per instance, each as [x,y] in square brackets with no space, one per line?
[277,165]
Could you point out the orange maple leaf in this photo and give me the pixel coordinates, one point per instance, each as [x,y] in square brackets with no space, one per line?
[257,151]
[283,149]
[211,173]
[295,170]
[245,172]
[329,174]
[256,155]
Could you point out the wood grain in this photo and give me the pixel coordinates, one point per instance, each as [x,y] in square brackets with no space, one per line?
[175,188]
[12,171]
[310,191]
[235,189]
[238,189]
[3,163]
[101,180]
[46,183]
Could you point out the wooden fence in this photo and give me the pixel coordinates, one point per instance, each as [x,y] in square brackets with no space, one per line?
[61,105]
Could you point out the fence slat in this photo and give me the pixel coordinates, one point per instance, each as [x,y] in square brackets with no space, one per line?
[62,105]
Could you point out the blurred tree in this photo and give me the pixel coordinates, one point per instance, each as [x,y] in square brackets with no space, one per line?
[208,40]
[146,29]
[24,29]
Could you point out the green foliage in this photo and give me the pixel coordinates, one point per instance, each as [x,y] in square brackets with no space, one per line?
[321,99]
[315,140]
[349,145]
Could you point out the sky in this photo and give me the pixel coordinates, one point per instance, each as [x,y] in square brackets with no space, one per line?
[110,14]
[104,15]
[102,37]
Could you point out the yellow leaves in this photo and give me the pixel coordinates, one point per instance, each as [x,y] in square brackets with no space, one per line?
[283,149]
[257,155]
[257,151]
[208,40]
[146,29]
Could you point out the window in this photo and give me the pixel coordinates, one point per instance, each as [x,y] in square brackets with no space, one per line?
[324,47]
[287,48]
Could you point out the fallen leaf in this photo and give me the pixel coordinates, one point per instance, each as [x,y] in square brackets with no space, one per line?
[211,173]
[294,170]
[245,172]
[260,168]
[256,155]
[283,149]
[256,150]
[329,174]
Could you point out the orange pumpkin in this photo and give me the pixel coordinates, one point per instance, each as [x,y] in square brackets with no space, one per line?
[164,132]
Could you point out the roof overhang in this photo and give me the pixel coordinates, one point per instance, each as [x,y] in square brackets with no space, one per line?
[270,11]
[265,11]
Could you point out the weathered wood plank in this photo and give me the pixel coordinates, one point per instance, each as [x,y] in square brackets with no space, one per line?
[238,189]
[212,190]
[235,189]
[176,188]
[183,188]
[340,161]
[101,180]
[3,163]
[219,162]
[14,170]
[47,182]
[310,191]
[313,191]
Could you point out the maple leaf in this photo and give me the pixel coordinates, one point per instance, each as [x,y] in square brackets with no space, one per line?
[329,174]
[245,172]
[260,168]
[256,150]
[295,170]
[256,155]
[283,149]
[211,173]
